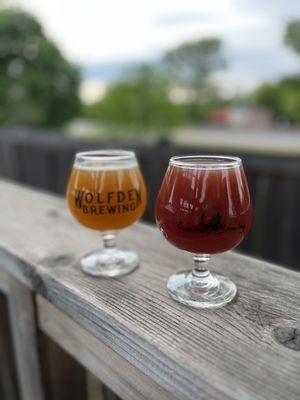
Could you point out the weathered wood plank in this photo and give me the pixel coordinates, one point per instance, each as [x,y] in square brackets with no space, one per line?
[8,379]
[230,353]
[114,371]
[63,377]
[23,327]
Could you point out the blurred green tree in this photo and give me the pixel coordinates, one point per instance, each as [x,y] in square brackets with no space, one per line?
[190,66]
[292,35]
[267,95]
[283,97]
[140,98]
[38,86]
[289,98]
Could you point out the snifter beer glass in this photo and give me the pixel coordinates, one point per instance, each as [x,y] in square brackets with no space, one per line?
[106,192]
[203,207]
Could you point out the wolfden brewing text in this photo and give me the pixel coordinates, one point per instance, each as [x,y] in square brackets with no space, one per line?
[116,202]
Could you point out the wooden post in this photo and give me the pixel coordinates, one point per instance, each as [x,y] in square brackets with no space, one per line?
[8,379]
[104,364]
[23,327]
[64,378]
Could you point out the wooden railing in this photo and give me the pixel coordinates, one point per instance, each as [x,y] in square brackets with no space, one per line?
[127,331]
[44,161]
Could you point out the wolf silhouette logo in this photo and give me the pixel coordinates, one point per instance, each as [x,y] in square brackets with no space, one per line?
[213,224]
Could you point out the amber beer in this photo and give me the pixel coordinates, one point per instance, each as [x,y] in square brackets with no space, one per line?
[106,197]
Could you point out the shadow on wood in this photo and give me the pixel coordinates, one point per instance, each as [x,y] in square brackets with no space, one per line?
[8,378]
[63,377]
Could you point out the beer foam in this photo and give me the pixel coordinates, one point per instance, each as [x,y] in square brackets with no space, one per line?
[97,165]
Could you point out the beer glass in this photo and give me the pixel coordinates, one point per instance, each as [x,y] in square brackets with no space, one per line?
[203,207]
[106,192]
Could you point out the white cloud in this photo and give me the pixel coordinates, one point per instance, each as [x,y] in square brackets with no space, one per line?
[95,31]
[92,30]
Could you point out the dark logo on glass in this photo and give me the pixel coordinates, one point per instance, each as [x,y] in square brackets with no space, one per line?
[211,223]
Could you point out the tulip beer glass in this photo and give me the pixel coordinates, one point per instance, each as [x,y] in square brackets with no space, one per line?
[106,192]
[203,207]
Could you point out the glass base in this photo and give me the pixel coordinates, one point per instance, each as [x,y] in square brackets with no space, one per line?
[109,262]
[210,291]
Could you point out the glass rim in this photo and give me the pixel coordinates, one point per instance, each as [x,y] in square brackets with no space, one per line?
[197,161]
[105,155]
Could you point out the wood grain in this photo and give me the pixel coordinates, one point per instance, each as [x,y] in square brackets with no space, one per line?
[230,353]
[114,371]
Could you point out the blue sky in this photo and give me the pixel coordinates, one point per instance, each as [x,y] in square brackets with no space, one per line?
[105,37]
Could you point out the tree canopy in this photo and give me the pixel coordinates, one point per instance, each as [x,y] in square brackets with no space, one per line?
[37,84]
[292,35]
[283,97]
[191,64]
[139,98]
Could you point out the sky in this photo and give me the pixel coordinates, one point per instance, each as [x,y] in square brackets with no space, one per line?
[105,37]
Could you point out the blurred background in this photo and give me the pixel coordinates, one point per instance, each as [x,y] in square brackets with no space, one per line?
[161,78]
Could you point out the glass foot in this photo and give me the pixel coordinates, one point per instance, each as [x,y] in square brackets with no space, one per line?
[109,262]
[212,291]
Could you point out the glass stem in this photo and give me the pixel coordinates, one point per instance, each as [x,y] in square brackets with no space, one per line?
[109,240]
[201,277]
[200,264]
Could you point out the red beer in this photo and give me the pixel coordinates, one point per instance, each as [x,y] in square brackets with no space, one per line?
[204,210]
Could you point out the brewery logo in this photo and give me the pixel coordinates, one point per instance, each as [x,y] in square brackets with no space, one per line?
[211,221]
[116,202]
